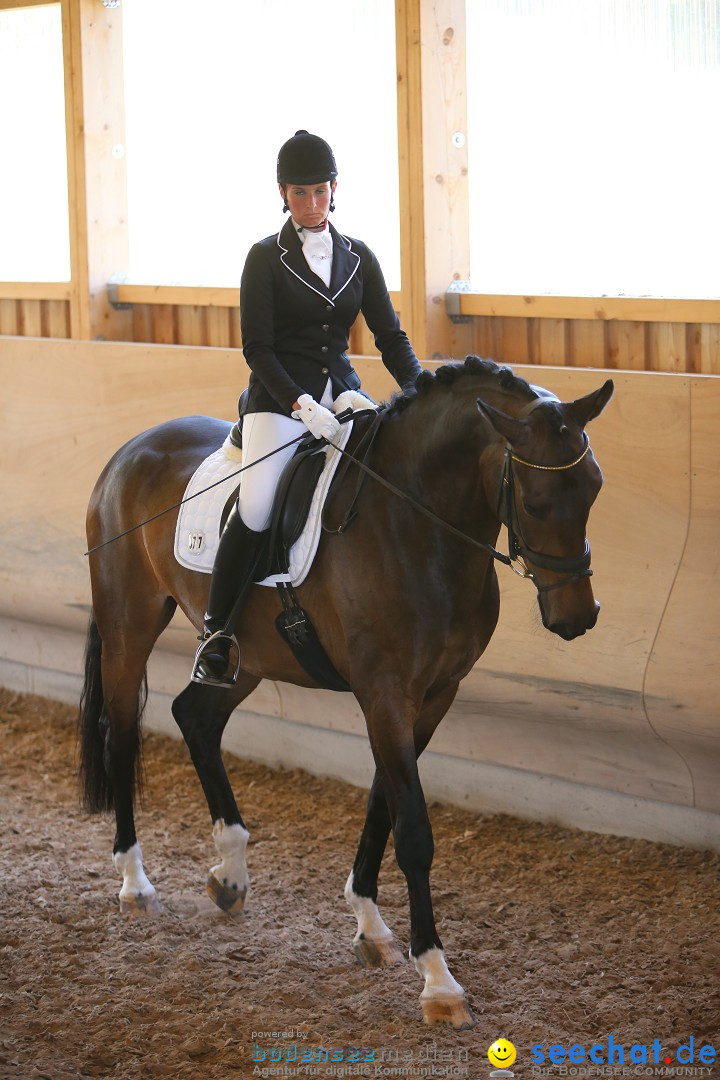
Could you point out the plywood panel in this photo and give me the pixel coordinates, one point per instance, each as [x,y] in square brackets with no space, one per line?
[142,322]
[511,341]
[594,711]
[684,673]
[586,339]
[235,334]
[9,320]
[218,327]
[548,341]
[30,318]
[592,688]
[625,345]
[56,323]
[666,347]
[164,329]
[191,325]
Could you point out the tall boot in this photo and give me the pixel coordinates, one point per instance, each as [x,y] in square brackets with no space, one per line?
[238,560]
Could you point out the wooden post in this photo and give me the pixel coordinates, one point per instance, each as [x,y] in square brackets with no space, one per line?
[432,134]
[95,124]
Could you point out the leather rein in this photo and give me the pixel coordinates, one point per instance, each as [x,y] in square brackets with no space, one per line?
[575,566]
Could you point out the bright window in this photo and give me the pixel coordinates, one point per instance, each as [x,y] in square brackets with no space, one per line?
[34,231]
[214,89]
[593,149]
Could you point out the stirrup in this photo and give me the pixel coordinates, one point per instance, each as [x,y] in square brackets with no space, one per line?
[204,674]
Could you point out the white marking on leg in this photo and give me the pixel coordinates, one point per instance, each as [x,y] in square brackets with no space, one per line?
[371,926]
[231,843]
[135,882]
[438,980]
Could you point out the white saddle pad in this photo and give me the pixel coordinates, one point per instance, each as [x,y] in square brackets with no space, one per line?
[197,533]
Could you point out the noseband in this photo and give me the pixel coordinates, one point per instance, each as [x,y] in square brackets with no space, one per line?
[575,566]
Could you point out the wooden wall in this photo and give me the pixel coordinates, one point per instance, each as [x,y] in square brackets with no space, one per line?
[644,335]
[624,345]
[540,727]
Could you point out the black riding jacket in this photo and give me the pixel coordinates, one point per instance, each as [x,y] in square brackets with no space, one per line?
[295,329]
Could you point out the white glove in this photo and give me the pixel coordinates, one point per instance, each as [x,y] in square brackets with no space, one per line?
[352,399]
[319,421]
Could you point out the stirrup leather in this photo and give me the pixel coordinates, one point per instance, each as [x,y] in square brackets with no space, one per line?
[228,677]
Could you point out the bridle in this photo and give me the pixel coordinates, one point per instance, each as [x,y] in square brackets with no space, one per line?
[574,566]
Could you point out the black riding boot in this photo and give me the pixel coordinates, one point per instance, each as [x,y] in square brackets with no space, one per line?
[239,556]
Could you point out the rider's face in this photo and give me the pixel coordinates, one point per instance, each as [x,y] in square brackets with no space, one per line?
[309,203]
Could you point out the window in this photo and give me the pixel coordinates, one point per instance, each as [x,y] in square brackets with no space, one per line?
[593,153]
[34,231]
[214,89]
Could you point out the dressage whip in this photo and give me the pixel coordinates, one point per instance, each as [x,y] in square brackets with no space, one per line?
[175,506]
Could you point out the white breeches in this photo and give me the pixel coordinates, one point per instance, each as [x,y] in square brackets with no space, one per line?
[261,434]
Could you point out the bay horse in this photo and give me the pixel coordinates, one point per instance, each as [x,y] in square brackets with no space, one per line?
[404,603]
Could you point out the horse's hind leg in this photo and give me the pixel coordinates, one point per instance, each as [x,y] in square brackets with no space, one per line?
[119,644]
[123,673]
[201,712]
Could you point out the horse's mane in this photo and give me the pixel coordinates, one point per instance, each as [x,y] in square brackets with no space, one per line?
[451,372]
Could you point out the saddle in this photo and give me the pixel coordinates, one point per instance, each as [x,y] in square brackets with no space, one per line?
[290,512]
[291,507]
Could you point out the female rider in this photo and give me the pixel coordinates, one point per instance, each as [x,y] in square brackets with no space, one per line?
[300,293]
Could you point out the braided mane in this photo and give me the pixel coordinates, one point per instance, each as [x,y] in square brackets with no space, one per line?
[459,369]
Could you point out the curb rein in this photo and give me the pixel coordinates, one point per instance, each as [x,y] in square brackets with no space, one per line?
[575,566]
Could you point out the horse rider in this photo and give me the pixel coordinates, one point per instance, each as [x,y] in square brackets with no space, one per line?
[300,293]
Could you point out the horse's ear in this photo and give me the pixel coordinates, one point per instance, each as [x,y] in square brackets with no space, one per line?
[587,408]
[514,431]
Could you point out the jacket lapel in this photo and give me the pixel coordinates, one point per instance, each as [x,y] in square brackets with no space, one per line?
[292,258]
[345,263]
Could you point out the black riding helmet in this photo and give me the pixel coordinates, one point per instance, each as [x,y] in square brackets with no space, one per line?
[305,159]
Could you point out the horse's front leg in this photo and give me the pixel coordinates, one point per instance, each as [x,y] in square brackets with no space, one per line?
[391,718]
[374,944]
[201,713]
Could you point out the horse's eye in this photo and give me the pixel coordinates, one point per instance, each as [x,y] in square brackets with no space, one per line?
[531,509]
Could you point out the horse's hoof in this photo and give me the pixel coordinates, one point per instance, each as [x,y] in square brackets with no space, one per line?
[141,904]
[448,1010]
[374,954]
[228,899]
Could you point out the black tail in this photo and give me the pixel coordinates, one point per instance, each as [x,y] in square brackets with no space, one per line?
[93,731]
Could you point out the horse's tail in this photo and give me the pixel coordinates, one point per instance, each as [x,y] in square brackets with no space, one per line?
[93,730]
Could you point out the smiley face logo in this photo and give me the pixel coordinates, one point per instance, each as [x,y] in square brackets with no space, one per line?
[502,1053]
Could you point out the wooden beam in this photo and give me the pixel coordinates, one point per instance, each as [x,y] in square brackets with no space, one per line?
[9,5]
[95,123]
[35,290]
[432,122]
[410,162]
[605,308]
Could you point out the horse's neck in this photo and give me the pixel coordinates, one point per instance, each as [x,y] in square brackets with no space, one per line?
[432,450]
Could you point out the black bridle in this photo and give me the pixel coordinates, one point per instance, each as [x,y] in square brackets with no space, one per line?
[574,566]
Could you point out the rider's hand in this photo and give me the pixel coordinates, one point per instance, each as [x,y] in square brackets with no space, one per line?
[352,399]
[319,421]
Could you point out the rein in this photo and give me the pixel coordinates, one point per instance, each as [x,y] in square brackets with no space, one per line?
[577,566]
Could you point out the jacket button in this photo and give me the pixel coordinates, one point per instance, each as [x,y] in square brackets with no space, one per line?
[329,307]
[324,348]
[326,371]
[326,327]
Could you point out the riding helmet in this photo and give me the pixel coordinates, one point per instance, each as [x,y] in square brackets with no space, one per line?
[305,159]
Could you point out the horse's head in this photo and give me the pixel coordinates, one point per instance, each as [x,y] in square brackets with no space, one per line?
[550,480]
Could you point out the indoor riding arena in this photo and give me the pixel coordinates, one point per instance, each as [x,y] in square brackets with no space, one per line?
[537,179]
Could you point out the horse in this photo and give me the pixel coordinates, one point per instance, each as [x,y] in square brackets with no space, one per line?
[404,602]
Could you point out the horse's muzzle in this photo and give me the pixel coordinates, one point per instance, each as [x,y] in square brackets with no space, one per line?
[568,629]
